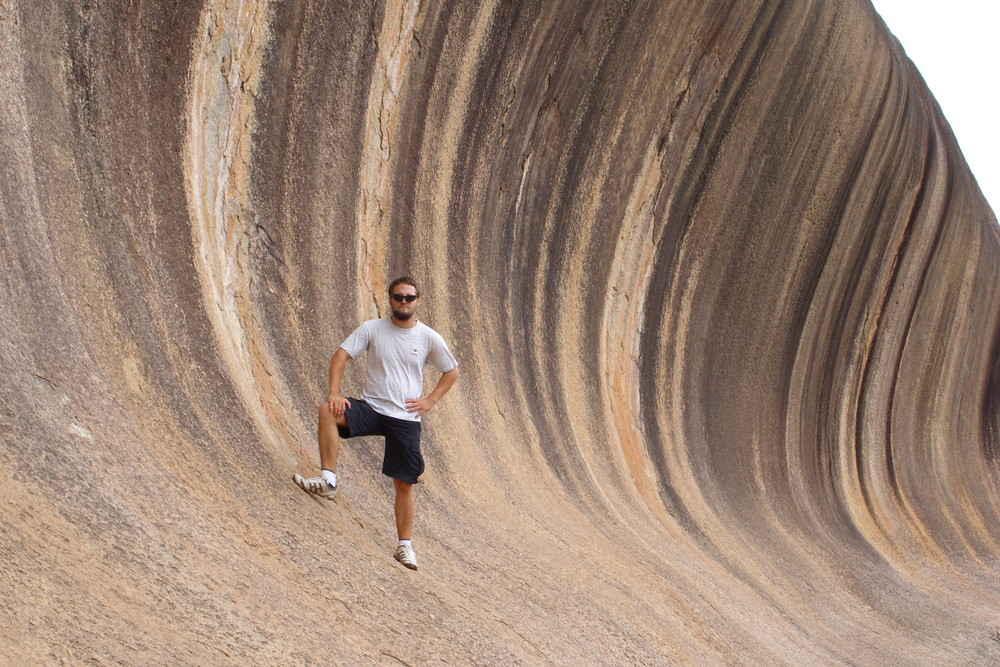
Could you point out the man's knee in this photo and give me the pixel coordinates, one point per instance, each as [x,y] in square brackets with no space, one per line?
[326,417]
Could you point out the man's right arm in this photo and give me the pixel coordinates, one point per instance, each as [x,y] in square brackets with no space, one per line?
[336,403]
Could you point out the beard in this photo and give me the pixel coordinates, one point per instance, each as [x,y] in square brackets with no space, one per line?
[402,315]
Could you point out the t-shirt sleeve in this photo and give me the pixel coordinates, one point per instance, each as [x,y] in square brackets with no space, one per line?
[357,342]
[440,356]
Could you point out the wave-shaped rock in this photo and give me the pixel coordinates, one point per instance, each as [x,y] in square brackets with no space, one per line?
[724,292]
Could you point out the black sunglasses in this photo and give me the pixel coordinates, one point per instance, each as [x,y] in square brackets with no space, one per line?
[400,298]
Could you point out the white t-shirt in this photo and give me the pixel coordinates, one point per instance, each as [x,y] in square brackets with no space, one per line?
[397,358]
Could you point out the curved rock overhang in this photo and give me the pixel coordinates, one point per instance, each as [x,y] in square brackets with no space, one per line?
[724,292]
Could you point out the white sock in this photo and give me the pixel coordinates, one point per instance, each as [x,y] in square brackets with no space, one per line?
[329,476]
[405,543]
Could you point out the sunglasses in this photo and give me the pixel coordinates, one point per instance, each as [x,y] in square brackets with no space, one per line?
[400,298]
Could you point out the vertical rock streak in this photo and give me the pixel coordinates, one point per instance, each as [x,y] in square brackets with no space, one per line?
[224,76]
[395,40]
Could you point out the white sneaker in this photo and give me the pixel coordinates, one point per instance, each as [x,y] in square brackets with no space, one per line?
[407,556]
[316,486]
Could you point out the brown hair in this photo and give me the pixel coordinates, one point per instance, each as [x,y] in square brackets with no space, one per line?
[404,280]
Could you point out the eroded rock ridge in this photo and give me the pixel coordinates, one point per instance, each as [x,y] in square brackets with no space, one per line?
[724,292]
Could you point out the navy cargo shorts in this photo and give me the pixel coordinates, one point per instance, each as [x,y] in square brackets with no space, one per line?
[402,459]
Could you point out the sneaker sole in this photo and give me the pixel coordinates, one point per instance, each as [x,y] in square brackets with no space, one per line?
[300,481]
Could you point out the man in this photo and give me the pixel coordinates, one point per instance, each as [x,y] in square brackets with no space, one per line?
[399,348]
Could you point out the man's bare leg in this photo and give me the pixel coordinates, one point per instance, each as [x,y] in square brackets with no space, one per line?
[325,485]
[405,508]
[329,438]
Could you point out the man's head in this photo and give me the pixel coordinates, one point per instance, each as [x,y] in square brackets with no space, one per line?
[404,297]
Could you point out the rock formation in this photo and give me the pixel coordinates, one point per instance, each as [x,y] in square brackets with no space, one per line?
[725,295]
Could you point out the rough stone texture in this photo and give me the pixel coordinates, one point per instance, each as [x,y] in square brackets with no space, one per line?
[725,295]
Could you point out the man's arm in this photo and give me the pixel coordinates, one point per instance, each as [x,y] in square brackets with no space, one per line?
[336,403]
[422,405]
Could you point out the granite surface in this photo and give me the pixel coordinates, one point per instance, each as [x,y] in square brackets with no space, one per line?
[725,295]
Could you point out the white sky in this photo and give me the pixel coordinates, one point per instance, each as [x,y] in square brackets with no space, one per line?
[954,45]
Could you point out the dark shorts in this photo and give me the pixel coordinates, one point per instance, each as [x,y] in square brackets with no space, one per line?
[402,458]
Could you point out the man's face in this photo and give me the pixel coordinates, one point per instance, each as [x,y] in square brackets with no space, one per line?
[404,301]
